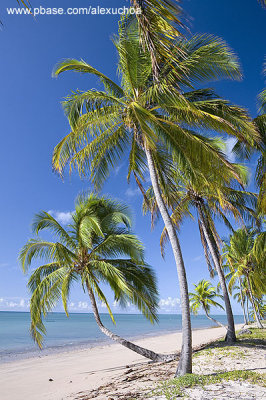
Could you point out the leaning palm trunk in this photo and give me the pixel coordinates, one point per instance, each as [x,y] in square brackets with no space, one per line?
[230,336]
[242,301]
[137,349]
[213,319]
[253,304]
[185,361]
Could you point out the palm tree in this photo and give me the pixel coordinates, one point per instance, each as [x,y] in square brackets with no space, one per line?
[260,123]
[143,115]
[203,297]
[97,246]
[25,3]
[262,2]
[240,298]
[245,255]
[216,194]
[159,23]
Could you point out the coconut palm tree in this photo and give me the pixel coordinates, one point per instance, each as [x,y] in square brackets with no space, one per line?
[97,246]
[143,115]
[246,255]
[216,194]
[240,298]
[240,294]
[203,297]
[159,23]
[260,123]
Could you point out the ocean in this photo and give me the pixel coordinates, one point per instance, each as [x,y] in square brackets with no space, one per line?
[81,330]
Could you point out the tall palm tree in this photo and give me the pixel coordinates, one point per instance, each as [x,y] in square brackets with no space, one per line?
[246,255]
[143,115]
[159,23]
[97,246]
[215,194]
[260,123]
[203,297]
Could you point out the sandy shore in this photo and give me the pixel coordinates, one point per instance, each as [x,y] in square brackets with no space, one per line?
[83,370]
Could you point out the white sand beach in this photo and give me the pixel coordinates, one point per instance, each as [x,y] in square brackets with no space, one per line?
[79,371]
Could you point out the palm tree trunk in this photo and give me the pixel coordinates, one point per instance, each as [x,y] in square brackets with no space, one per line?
[247,310]
[242,301]
[129,345]
[185,361]
[214,320]
[231,335]
[253,304]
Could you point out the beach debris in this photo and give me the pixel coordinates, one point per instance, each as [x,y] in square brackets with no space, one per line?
[129,370]
[51,380]
[245,332]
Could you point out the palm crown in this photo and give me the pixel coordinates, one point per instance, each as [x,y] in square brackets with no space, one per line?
[203,296]
[97,246]
[245,255]
[143,114]
[260,123]
[217,192]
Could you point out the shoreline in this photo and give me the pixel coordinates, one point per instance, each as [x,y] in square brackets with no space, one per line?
[32,353]
[85,369]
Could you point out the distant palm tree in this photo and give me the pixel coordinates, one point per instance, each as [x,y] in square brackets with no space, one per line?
[240,298]
[97,246]
[142,115]
[203,297]
[246,255]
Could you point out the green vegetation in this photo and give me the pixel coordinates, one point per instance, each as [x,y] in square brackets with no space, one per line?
[176,387]
[218,350]
[260,123]
[245,255]
[97,246]
[256,335]
[162,115]
[157,122]
[203,297]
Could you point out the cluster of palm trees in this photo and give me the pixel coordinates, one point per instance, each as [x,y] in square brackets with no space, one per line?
[164,118]
[245,255]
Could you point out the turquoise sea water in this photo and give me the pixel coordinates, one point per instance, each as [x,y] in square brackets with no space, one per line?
[81,330]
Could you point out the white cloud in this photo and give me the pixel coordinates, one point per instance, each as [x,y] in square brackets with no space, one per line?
[3,265]
[132,192]
[14,304]
[83,305]
[198,258]
[63,218]
[230,142]
[117,169]
[169,304]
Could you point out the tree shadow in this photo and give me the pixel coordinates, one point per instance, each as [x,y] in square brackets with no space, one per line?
[249,342]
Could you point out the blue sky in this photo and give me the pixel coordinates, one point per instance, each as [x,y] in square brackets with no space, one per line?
[32,122]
